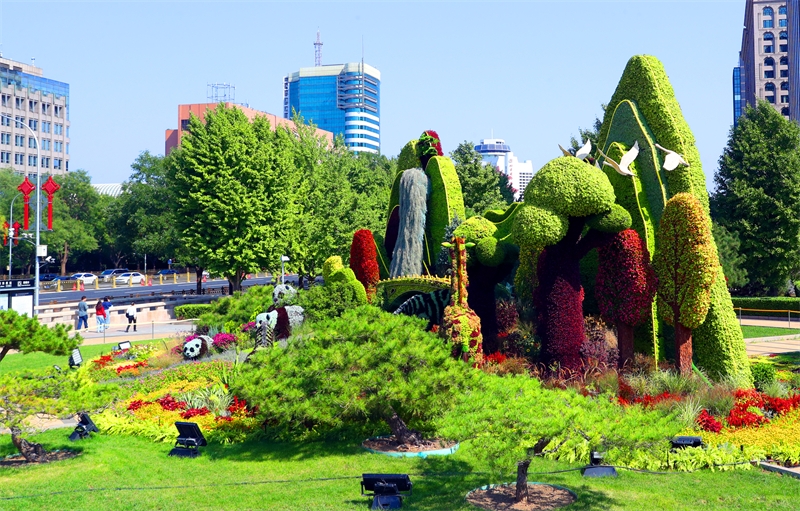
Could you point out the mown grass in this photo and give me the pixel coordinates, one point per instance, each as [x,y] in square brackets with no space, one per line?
[17,362]
[325,476]
[752,332]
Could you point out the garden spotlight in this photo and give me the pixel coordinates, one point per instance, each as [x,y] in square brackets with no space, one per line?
[387,490]
[190,438]
[84,427]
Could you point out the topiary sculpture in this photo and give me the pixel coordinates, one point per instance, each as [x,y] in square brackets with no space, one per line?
[569,209]
[461,326]
[364,261]
[625,288]
[408,254]
[333,271]
[686,265]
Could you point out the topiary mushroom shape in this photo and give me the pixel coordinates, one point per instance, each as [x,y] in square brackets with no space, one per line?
[568,210]
[461,326]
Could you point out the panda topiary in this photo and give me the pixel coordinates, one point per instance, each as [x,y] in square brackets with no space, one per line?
[283,294]
[198,347]
[282,320]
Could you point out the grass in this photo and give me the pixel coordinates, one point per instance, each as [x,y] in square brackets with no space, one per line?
[751,332]
[262,475]
[17,362]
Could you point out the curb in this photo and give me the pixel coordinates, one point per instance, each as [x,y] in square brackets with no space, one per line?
[780,470]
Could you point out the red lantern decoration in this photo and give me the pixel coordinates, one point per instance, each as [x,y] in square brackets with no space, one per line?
[50,187]
[26,187]
[16,227]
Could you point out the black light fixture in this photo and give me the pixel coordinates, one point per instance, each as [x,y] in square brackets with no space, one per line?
[84,427]
[387,490]
[595,468]
[124,345]
[190,438]
[75,360]
[682,442]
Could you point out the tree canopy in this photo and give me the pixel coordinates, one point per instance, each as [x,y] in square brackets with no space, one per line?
[483,187]
[25,334]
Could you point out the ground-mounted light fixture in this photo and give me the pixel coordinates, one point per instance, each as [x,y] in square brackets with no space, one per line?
[75,360]
[682,442]
[189,440]
[124,345]
[84,427]
[387,490]
[595,468]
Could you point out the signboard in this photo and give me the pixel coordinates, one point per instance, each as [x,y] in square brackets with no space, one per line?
[16,284]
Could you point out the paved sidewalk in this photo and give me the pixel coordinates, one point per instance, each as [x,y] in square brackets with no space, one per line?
[772,345]
[144,332]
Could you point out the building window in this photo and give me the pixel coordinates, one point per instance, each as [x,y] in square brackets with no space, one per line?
[784,61]
[20,122]
[5,157]
[768,48]
[20,103]
[58,146]
[5,138]
[770,99]
[783,22]
[67,147]
[784,73]
[32,160]
[5,121]
[783,48]
[782,9]
[19,159]
[46,108]
[6,99]
[19,140]
[768,12]
[769,73]
[57,110]
[784,98]
[34,124]
[56,163]
[31,143]
[184,124]
[46,144]
[45,163]
[45,127]
[32,105]
[785,111]
[769,86]
[784,35]
[768,24]
[784,85]
[769,36]
[58,129]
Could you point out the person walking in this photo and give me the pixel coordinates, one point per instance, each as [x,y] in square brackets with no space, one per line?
[107,308]
[130,313]
[83,313]
[100,313]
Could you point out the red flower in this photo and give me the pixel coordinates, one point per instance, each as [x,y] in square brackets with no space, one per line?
[131,367]
[707,422]
[169,403]
[135,405]
[103,361]
[194,412]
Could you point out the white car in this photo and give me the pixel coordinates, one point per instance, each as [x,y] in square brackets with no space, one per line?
[87,278]
[134,277]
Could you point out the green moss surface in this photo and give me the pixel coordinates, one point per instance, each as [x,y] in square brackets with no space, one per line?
[331,265]
[445,201]
[408,158]
[383,257]
[570,187]
[615,220]
[536,228]
[394,196]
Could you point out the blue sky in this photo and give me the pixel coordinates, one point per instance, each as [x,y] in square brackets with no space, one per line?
[531,72]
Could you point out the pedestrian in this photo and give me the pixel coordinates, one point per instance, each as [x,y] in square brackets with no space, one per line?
[130,313]
[100,313]
[83,313]
[107,308]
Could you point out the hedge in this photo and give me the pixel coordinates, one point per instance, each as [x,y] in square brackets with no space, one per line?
[772,303]
[191,310]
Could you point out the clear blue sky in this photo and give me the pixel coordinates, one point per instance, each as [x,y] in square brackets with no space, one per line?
[531,71]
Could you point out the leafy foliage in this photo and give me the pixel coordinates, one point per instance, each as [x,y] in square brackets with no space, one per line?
[758,189]
[730,256]
[626,282]
[328,301]
[26,334]
[481,184]
[351,373]
[239,308]
[192,310]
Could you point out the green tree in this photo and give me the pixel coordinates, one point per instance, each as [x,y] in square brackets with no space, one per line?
[26,335]
[235,193]
[730,256]
[587,134]
[757,195]
[483,186]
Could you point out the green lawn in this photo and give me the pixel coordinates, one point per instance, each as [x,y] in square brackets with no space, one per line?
[751,332]
[22,362]
[260,475]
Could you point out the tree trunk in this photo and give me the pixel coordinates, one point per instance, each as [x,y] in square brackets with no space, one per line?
[32,453]
[683,348]
[4,351]
[64,257]
[522,480]
[235,281]
[198,272]
[401,431]
[624,344]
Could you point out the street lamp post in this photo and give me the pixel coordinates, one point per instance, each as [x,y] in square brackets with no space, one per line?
[38,210]
[284,259]
[10,238]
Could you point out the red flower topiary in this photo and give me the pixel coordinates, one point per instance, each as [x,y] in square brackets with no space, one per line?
[364,261]
[626,285]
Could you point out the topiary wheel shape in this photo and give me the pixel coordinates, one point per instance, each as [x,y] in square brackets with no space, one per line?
[388,447]
[541,497]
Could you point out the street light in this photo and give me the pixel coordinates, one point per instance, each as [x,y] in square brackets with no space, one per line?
[10,238]
[38,209]
[284,259]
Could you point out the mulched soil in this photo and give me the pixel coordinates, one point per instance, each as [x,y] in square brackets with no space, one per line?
[19,461]
[390,444]
[541,497]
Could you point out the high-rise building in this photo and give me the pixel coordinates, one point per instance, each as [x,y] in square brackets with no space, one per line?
[341,98]
[41,103]
[172,137]
[769,59]
[498,154]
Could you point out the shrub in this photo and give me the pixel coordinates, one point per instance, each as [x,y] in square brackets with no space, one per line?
[328,301]
[367,371]
[192,310]
[764,305]
[364,261]
[763,374]
[237,309]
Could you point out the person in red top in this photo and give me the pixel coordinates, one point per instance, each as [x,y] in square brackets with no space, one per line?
[100,313]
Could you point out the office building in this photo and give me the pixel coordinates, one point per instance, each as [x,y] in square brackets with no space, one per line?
[341,98]
[768,59]
[172,138]
[41,103]
[498,154]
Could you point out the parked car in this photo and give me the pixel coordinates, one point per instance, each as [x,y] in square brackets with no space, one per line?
[87,278]
[167,272]
[64,277]
[134,277]
[113,272]
[47,277]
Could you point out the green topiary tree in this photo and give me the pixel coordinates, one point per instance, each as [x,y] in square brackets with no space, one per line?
[366,371]
[686,265]
[333,272]
[26,334]
[569,210]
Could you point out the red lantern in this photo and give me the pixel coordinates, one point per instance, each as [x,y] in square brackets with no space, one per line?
[26,187]
[50,187]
